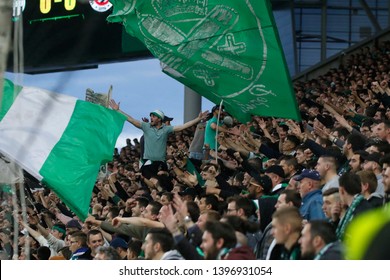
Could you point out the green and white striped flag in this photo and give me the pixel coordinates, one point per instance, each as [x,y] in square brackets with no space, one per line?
[59,140]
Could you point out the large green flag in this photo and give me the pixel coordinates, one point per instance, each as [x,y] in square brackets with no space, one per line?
[224,50]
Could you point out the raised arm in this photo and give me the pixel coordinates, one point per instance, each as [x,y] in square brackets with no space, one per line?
[130,119]
[31,231]
[192,122]
[45,233]
[137,221]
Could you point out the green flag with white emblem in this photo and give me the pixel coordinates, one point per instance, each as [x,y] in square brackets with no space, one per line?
[224,50]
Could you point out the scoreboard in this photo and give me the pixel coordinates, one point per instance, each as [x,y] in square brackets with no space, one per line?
[60,35]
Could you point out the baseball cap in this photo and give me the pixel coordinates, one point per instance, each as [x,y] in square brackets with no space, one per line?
[73,224]
[325,120]
[118,242]
[371,157]
[216,107]
[264,181]
[158,114]
[308,173]
[276,169]
[188,191]
[228,121]
[167,119]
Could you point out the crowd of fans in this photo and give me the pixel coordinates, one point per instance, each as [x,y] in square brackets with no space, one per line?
[268,189]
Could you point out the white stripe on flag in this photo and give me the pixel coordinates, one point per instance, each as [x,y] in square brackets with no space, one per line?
[28,136]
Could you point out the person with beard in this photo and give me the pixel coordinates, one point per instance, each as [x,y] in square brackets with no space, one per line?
[319,242]
[259,186]
[158,245]
[244,208]
[208,202]
[218,240]
[290,166]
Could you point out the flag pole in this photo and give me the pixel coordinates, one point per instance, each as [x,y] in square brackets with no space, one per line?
[109,97]
[217,130]
[5,37]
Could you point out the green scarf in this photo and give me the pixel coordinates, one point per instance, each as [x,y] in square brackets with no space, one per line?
[348,217]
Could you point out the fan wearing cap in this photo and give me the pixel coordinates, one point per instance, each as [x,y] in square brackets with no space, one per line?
[276,173]
[72,226]
[54,239]
[155,138]
[120,245]
[188,194]
[166,120]
[310,190]
[259,186]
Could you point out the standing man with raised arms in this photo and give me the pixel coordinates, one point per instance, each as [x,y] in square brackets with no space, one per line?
[155,135]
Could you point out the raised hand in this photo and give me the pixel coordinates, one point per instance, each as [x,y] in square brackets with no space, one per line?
[116,222]
[192,179]
[203,115]
[262,123]
[180,206]
[114,105]
[168,219]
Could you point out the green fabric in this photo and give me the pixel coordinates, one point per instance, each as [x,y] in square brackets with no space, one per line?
[191,169]
[200,251]
[347,218]
[210,134]
[59,229]
[5,189]
[116,199]
[224,50]
[358,119]
[8,96]
[73,165]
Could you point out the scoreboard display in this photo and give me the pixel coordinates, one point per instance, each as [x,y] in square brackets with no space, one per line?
[60,35]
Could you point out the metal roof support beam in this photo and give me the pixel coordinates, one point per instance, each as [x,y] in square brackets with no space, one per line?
[388,14]
[5,38]
[294,37]
[324,21]
[192,104]
[371,16]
